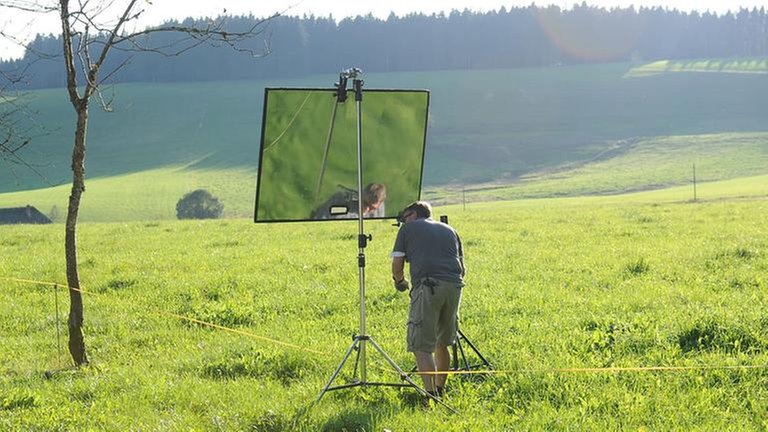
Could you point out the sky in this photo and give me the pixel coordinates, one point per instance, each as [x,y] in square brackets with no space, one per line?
[24,26]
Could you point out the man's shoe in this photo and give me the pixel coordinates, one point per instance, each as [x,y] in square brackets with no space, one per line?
[428,401]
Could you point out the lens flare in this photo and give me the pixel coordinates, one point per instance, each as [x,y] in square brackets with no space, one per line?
[590,34]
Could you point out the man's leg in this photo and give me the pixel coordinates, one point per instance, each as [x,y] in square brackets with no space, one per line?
[447,330]
[443,363]
[426,363]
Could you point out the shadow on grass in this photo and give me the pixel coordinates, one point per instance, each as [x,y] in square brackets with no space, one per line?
[711,334]
[286,368]
[355,419]
[362,408]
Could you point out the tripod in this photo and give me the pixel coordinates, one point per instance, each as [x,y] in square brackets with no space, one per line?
[360,341]
[458,348]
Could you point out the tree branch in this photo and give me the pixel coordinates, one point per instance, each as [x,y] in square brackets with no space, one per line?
[69,58]
[27,6]
[214,33]
[93,69]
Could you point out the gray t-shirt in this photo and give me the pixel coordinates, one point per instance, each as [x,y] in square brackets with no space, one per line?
[432,248]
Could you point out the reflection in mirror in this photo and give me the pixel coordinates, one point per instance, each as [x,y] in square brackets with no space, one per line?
[339,210]
[308,154]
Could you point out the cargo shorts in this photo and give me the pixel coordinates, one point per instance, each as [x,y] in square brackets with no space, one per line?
[433,314]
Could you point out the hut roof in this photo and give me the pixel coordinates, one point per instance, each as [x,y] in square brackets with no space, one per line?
[22,215]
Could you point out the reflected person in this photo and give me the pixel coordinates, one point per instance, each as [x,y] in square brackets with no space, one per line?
[374,195]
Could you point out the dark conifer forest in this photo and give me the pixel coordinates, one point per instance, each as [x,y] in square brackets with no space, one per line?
[519,37]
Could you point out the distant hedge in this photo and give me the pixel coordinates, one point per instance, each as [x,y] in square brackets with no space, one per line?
[199,204]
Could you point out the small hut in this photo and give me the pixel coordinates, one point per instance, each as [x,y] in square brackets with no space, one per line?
[22,215]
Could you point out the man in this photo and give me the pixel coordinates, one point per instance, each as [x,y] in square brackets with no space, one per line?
[433,250]
[374,195]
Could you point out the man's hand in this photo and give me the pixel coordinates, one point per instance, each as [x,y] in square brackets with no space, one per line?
[402,284]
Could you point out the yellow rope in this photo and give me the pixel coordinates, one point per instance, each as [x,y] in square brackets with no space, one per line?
[587,369]
[455,372]
[241,332]
[181,317]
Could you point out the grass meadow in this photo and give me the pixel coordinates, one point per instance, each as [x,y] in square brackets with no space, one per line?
[146,195]
[662,163]
[750,65]
[599,309]
[553,286]
[644,164]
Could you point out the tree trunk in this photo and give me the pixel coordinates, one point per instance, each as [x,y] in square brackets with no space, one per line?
[76,318]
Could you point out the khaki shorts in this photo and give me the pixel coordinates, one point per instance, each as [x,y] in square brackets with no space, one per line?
[433,315]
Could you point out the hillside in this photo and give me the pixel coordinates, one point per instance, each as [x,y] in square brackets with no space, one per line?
[636,165]
[523,126]
[741,159]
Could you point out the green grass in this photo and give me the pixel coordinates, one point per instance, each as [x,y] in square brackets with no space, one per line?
[754,65]
[618,281]
[147,195]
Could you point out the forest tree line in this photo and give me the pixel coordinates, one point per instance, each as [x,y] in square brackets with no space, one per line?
[529,36]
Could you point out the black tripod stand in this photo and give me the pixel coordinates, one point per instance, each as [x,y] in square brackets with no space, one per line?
[464,364]
[458,347]
[360,341]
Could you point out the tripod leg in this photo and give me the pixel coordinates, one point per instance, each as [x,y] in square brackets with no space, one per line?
[338,369]
[400,372]
[357,362]
[455,359]
[469,342]
[463,354]
[410,381]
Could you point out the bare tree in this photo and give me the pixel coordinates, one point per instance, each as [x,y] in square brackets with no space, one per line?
[91,30]
[12,139]
[17,125]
